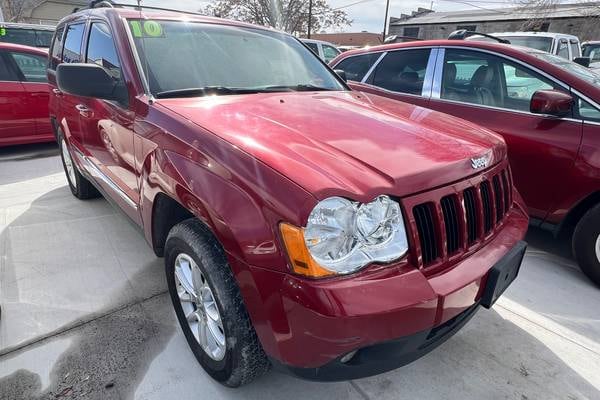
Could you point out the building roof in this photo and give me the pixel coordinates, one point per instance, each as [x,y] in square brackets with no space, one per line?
[500,14]
[350,39]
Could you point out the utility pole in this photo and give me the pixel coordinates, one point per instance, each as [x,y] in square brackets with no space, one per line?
[385,21]
[309,17]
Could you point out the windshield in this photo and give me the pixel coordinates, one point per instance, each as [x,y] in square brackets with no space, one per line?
[571,67]
[533,42]
[221,59]
[27,37]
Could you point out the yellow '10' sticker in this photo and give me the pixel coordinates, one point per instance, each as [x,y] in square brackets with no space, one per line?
[146,29]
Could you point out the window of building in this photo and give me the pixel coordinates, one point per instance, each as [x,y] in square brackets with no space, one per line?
[402,71]
[73,39]
[31,66]
[472,28]
[412,31]
[102,51]
[356,67]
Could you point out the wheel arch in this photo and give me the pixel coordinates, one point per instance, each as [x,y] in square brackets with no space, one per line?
[567,225]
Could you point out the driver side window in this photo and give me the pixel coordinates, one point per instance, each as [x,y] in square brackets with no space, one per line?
[488,80]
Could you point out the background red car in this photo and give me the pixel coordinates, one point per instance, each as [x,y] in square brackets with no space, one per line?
[24,95]
[546,108]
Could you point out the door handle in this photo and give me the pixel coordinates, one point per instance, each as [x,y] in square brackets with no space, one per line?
[84,111]
[57,92]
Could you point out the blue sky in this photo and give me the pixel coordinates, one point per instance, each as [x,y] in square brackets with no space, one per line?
[369,14]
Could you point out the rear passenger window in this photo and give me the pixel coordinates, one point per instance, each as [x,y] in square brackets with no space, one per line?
[313,47]
[102,51]
[563,49]
[6,72]
[402,71]
[32,67]
[356,67]
[575,49]
[56,53]
[72,48]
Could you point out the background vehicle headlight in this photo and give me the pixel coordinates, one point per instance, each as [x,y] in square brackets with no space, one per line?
[343,236]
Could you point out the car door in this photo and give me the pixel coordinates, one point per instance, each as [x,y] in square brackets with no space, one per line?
[15,123]
[495,92]
[68,104]
[404,74]
[108,127]
[32,74]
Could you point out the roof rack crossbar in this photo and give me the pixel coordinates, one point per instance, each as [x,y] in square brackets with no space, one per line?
[462,34]
[112,4]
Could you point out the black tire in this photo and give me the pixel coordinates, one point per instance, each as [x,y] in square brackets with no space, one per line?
[81,187]
[244,358]
[585,240]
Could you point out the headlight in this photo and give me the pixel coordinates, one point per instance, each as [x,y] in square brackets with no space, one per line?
[343,236]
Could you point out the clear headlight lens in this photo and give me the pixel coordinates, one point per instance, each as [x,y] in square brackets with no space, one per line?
[342,236]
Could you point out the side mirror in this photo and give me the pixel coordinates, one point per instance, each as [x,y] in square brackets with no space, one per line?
[585,61]
[341,73]
[551,102]
[89,80]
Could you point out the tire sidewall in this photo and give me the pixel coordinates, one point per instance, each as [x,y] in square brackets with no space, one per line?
[584,244]
[61,138]
[219,370]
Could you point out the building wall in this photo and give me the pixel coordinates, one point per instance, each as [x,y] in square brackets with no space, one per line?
[584,28]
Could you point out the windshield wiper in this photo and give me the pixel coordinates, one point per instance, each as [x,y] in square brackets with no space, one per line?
[294,88]
[203,91]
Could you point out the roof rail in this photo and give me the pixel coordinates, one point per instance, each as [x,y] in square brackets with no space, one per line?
[462,34]
[112,4]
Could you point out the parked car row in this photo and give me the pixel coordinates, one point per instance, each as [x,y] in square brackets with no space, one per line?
[321,227]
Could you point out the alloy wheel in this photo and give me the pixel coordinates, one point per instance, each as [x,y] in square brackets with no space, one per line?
[598,248]
[199,306]
[68,163]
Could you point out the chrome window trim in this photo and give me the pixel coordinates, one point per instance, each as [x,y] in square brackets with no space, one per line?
[430,73]
[375,64]
[508,110]
[436,87]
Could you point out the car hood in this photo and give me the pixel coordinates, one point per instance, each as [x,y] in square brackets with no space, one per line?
[346,143]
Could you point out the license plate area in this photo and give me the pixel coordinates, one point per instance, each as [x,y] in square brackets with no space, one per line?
[503,274]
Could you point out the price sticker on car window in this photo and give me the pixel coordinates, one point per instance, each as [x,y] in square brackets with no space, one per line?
[2,31]
[146,28]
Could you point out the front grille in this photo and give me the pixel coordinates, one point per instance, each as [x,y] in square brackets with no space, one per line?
[451,222]
[460,216]
[426,228]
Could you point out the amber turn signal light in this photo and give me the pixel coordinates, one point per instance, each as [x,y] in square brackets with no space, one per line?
[300,258]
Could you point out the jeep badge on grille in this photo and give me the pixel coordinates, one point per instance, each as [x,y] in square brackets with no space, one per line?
[481,162]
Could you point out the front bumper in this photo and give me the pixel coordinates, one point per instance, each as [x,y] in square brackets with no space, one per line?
[393,314]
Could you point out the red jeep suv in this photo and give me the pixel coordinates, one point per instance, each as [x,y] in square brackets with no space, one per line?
[327,232]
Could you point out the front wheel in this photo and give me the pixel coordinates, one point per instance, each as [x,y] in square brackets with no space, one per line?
[209,306]
[79,185]
[586,244]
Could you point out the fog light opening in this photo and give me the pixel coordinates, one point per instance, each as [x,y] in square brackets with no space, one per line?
[348,357]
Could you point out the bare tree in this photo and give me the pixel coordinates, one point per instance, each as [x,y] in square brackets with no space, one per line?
[13,10]
[537,12]
[287,15]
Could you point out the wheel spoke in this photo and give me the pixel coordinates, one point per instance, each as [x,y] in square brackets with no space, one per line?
[216,333]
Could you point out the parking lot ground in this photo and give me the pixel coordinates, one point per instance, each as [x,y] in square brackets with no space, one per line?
[85,314]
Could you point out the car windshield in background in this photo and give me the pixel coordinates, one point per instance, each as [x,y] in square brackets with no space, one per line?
[216,59]
[592,51]
[569,66]
[27,37]
[533,42]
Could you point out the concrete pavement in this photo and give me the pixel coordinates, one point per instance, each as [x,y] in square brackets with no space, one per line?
[85,314]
